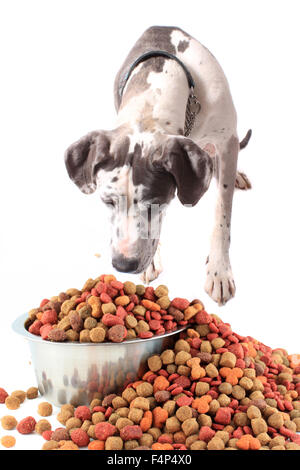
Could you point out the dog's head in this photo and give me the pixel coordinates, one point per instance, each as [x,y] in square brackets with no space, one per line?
[137,181]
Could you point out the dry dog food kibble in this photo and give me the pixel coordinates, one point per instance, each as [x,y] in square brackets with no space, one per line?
[214,390]
[107,310]
[26,425]
[8,422]
[45,409]
[8,441]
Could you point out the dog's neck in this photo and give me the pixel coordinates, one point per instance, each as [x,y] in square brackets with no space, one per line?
[156,101]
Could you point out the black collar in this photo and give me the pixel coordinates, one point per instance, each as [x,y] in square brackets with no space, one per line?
[146,56]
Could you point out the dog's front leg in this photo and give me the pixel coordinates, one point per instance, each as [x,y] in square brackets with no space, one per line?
[154,269]
[219,283]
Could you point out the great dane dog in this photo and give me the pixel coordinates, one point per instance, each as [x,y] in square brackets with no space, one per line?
[176,127]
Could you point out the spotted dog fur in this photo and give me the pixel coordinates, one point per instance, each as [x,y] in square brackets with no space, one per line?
[145,161]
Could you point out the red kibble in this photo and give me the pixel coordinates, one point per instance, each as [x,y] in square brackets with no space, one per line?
[127,433]
[110,320]
[80,437]
[165,439]
[104,430]
[154,325]
[145,334]
[105,298]
[117,285]
[223,415]
[49,316]
[26,425]
[184,401]
[35,327]
[3,395]
[44,302]
[83,413]
[179,303]
[45,330]
[47,435]
[176,391]
[121,312]
[203,318]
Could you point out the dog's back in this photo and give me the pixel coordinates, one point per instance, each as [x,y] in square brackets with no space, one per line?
[211,86]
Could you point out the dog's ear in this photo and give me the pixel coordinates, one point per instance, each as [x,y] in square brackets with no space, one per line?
[191,167]
[83,159]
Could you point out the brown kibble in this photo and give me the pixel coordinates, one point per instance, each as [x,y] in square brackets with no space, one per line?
[129,288]
[182,357]
[198,445]
[42,425]
[97,335]
[253,412]
[19,394]
[12,403]
[184,412]
[135,415]
[73,422]
[84,336]
[144,389]
[98,417]
[130,321]
[154,363]
[32,393]
[140,402]
[57,335]
[201,388]
[190,426]
[276,420]
[60,434]
[241,419]
[8,441]
[50,445]
[89,323]
[172,425]
[146,440]
[246,383]
[164,302]
[167,356]
[182,345]
[63,416]
[216,444]
[45,409]
[259,426]
[228,360]
[122,422]
[8,422]
[263,438]
[218,343]
[113,443]
[211,371]
[109,308]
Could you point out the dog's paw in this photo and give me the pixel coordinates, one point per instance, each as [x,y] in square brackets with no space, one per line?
[219,284]
[152,272]
[242,181]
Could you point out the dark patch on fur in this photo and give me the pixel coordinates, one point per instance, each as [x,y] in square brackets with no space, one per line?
[182,46]
[154,38]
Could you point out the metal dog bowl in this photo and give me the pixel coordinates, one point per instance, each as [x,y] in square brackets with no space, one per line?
[73,372]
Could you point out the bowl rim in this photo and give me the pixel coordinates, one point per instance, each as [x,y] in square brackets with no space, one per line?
[19,328]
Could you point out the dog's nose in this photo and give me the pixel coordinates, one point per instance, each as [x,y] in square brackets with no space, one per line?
[125,265]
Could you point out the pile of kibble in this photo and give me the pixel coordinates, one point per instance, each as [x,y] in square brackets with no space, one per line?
[214,390]
[106,309]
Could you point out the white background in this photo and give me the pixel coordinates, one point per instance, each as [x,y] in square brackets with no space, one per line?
[58,63]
